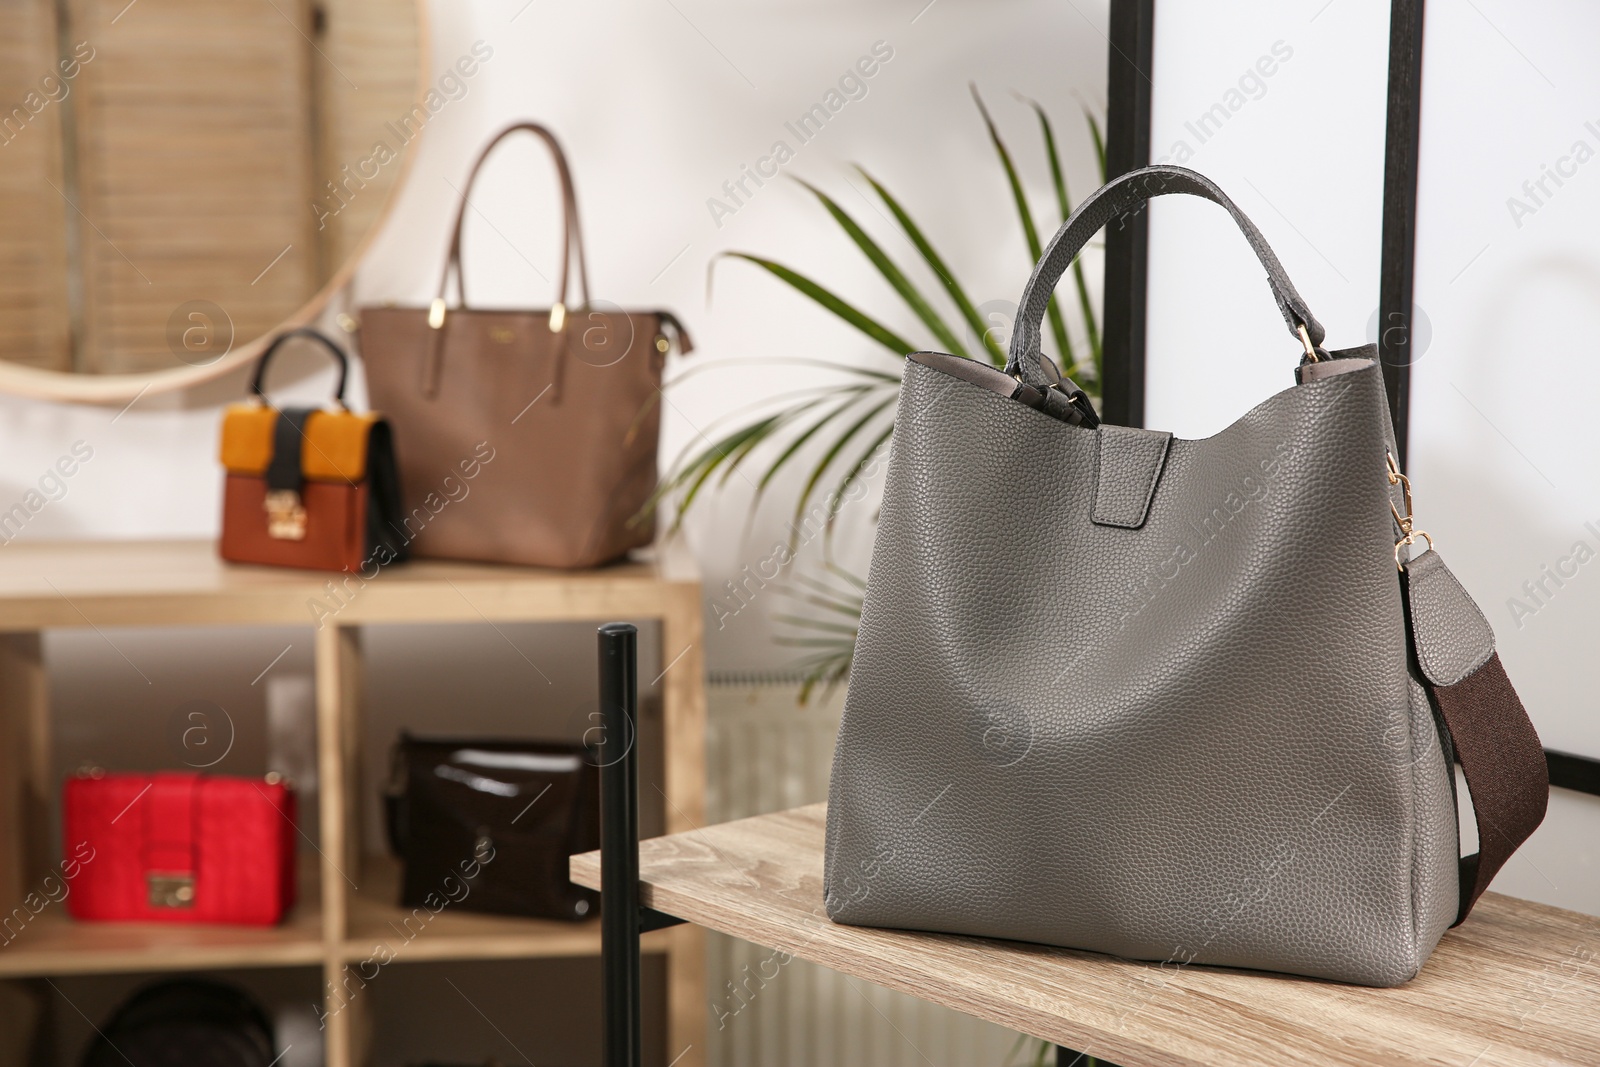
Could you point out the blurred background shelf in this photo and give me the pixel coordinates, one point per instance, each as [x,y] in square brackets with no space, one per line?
[340,921]
[53,944]
[375,919]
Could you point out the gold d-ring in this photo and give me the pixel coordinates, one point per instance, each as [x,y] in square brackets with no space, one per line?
[1409,539]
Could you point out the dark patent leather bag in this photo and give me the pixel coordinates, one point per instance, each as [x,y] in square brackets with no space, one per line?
[488,825]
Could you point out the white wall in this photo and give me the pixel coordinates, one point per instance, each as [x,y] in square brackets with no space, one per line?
[1502,431]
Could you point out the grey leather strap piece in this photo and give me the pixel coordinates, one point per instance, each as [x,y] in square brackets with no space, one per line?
[1116,198]
[1451,637]
[1126,472]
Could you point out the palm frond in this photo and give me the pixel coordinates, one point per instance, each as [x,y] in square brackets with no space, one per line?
[1064,203]
[1058,326]
[945,275]
[1099,141]
[830,300]
[830,645]
[832,453]
[891,273]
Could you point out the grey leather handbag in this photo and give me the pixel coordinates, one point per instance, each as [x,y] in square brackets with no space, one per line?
[1187,701]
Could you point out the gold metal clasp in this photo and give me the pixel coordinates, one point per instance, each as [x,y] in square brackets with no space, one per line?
[170,889]
[286,515]
[1408,531]
[558,316]
[436,313]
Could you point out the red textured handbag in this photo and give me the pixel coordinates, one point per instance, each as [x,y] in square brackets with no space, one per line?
[180,847]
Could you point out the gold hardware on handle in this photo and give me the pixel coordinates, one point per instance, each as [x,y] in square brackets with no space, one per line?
[170,889]
[1305,339]
[662,344]
[436,313]
[1408,531]
[347,322]
[558,316]
[286,515]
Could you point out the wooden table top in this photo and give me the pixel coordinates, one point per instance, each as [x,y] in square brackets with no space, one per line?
[1518,983]
[108,583]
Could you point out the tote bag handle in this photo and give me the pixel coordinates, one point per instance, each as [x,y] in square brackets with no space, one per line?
[571,236]
[1117,198]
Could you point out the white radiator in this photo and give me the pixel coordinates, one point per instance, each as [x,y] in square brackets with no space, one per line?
[765,753]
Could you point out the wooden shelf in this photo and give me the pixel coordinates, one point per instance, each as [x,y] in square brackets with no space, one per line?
[54,943]
[375,919]
[183,583]
[1513,985]
[44,585]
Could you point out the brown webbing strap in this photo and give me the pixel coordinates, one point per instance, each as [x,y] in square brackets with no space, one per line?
[1504,764]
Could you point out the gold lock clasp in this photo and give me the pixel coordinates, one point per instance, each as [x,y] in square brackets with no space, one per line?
[170,889]
[286,515]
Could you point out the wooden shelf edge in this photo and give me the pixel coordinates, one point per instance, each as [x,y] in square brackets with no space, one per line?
[581,942]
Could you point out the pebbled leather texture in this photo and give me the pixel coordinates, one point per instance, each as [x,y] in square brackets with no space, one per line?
[1451,636]
[1197,741]
[1126,472]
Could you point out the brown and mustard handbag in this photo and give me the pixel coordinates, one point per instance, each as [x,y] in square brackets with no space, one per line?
[309,487]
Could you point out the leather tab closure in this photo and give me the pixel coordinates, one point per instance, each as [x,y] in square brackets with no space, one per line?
[169,840]
[1127,469]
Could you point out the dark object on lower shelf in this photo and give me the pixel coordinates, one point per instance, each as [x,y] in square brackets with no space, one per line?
[488,825]
[186,1022]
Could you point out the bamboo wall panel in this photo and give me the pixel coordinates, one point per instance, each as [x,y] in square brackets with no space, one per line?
[194,160]
[34,319]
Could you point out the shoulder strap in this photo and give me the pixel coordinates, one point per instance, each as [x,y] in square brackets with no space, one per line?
[1494,741]
[1504,764]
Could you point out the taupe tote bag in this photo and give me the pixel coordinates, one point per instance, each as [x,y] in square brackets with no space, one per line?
[523,436]
[1188,701]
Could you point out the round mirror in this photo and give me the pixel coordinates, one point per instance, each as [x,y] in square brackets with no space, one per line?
[179,179]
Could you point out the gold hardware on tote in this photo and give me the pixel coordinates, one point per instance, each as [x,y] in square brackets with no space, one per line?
[662,344]
[286,515]
[347,322]
[502,336]
[558,316]
[1408,531]
[170,889]
[1305,339]
[436,313]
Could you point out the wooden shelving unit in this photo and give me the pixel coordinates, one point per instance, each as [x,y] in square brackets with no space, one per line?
[346,906]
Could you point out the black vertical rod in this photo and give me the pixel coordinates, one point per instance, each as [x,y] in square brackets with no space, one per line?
[1128,90]
[619,842]
[1398,262]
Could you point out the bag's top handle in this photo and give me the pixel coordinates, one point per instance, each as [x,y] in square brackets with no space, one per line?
[571,237]
[310,334]
[1118,197]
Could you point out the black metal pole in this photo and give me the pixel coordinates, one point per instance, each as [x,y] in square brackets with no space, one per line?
[619,842]
[1131,37]
[1402,148]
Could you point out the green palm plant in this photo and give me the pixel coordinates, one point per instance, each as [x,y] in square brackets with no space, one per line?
[837,428]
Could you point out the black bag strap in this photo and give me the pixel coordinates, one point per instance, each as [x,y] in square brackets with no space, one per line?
[1115,199]
[311,335]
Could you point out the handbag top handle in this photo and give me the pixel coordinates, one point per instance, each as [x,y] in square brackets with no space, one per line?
[310,334]
[1117,198]
[571,238]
